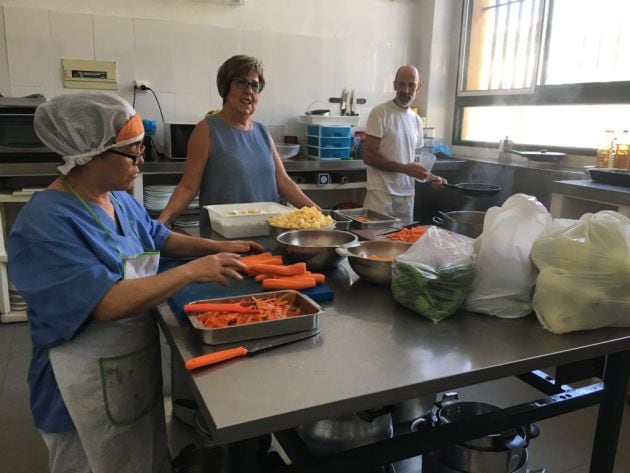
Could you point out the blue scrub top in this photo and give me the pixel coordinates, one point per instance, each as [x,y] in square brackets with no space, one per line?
[63,263]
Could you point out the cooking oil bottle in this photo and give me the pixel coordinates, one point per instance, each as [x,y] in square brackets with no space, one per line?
[622,151]
[604,149]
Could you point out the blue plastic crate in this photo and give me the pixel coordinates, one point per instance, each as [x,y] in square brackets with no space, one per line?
[329,131]
[328,153]
[329,142]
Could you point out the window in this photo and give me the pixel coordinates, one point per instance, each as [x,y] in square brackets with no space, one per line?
[546,73]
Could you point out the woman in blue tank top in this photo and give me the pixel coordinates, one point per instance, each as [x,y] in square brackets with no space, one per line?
[231,158]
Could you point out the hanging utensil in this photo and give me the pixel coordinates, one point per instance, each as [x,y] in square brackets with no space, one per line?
[249,350]
[473,188]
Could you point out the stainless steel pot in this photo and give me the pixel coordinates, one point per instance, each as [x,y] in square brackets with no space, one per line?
[503,452]
[328,436]
[465,222]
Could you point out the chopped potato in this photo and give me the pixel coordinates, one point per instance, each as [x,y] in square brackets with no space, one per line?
[306,217]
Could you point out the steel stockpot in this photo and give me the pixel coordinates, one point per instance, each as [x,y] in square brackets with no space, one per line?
[465,222]
[503,452]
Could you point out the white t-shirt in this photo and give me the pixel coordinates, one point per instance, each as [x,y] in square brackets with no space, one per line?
[400,131]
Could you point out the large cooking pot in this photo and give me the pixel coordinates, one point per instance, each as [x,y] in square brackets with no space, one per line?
[503,452]
[465,222]
[328,436]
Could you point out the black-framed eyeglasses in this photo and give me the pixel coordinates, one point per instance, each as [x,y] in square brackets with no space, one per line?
[256,86]
[134,157]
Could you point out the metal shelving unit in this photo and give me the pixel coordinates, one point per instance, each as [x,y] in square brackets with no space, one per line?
[6,314]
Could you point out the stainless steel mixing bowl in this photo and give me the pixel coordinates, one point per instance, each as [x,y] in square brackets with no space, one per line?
[364,259]
[315,247]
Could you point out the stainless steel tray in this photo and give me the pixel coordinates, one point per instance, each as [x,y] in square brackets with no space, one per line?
[216,336]
[366,218]
[341,221]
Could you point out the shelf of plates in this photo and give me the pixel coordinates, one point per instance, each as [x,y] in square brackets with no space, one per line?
[6,313]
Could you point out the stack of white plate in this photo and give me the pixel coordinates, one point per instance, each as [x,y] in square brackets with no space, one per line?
[187,221]
[16,301]
[157,196]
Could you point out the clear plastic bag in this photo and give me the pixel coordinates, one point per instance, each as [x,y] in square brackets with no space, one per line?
[504,274]
[584,279]
[435,274]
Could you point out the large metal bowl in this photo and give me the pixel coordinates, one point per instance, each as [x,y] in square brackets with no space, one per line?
[362,259]
[275,231]
[315,247]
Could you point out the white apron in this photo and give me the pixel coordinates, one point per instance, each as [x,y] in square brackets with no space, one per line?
[111,382]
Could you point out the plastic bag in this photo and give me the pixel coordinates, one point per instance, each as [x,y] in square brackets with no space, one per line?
[504,274]
[435,274]
[584,279]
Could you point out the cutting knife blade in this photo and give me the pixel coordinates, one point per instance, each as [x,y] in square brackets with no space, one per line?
[249,350]
[411,225]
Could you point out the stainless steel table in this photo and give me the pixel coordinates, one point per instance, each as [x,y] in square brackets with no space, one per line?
[372,352]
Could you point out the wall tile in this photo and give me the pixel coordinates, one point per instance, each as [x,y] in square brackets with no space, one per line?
[223,43]
[29,48]
[5,85]
[114,41]
[154,51]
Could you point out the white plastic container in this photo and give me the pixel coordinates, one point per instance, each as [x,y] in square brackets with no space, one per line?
[243,220]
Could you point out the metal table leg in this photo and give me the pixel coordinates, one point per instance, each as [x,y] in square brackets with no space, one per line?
[610,412]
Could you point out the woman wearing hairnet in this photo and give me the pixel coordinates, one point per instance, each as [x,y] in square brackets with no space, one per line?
[84,254]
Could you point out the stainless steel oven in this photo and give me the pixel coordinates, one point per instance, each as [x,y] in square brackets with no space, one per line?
[18,141]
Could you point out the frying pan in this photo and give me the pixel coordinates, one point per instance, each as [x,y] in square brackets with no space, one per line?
[542,155]
[473,188]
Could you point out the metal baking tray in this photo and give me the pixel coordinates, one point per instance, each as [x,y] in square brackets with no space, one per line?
[366,218]
[216,336]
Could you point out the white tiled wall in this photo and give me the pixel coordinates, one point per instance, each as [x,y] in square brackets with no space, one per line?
[359,45]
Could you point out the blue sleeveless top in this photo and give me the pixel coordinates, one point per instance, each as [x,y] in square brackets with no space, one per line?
[240,167]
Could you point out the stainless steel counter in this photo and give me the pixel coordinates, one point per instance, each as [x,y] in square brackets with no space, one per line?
[371,352]
[572,199]
[177,167]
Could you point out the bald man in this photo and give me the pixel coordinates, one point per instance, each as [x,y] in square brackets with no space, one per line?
[392,135]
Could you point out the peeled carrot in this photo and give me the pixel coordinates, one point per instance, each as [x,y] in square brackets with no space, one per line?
[273,284]
[247,258]
[281,270]
[263,276]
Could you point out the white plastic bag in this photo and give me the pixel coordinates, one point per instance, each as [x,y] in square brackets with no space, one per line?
[504,274]
[435,274]
[584,279]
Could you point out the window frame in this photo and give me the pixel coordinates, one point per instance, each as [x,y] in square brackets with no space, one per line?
[588,93]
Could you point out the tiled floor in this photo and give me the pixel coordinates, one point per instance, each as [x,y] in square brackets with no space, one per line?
[563,447]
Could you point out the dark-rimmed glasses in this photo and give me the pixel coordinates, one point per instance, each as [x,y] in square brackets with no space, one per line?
[134,157]
[257,87]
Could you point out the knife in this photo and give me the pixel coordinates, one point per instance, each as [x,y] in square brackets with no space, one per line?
[411,225]
[249,350]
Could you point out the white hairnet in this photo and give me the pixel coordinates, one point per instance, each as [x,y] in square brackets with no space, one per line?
[81,126]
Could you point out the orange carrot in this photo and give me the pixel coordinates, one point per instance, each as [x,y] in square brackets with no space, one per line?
[263,276]
[409,235]
[281,270]
[273,284]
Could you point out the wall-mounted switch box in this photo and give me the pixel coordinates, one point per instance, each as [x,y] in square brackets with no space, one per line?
[88,74]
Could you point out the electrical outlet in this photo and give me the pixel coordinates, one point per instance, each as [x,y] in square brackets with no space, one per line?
[139,83]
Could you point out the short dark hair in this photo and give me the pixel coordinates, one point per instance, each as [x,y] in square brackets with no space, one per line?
[235,67]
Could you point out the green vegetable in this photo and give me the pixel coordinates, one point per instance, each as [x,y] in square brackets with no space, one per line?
[434,293]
